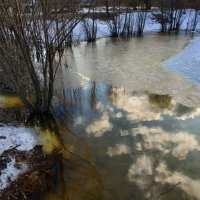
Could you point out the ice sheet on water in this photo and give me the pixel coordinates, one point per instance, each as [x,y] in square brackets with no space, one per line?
[187,62]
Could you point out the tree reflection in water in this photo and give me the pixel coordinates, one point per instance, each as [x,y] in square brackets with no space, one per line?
[161,101]
[127,145]
[76,175]
[141,141]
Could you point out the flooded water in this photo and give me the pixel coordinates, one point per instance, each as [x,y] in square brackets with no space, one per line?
[130,127]
[140,143]
[140,121]
[134,64]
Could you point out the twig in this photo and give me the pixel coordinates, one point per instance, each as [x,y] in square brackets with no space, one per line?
[169,190]
[13,196]
[15,147]
[24,195]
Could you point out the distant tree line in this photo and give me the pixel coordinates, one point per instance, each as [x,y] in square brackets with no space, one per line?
[171,14]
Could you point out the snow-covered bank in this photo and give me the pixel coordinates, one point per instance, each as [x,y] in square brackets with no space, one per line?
[103,26]
[10,173]
[21,139]
[187,62]
[151,25]
[17,147]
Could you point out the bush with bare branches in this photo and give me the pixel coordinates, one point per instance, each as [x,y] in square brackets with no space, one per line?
[30,39]
[171,14]
[89,26]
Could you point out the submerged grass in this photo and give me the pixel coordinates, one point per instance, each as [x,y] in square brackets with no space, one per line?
[48,139]
[10,101]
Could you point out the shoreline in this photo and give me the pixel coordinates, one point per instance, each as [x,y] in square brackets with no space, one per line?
[35,181]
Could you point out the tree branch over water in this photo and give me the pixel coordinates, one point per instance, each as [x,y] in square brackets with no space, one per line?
[32,36]
[169,190]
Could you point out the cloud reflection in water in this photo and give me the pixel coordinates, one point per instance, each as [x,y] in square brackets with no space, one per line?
[147,131]
[178,144]
[98,128]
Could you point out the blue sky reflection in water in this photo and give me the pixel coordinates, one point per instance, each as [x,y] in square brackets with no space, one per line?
[143,143]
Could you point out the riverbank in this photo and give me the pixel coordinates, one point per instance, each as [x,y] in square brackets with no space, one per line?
[151,25]
[25,168]
[34,179]
[26,164]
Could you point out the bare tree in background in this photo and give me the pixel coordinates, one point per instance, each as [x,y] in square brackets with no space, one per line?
[171,14]
[141,17]
[89,25]
[194,16]
[195,20]
[177,9]
[121,24]
[32,39]
[140,22]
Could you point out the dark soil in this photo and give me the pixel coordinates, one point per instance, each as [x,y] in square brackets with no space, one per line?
[36,180]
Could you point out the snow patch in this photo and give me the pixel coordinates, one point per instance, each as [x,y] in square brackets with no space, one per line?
[10,173]
[22,139]
[151,25]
